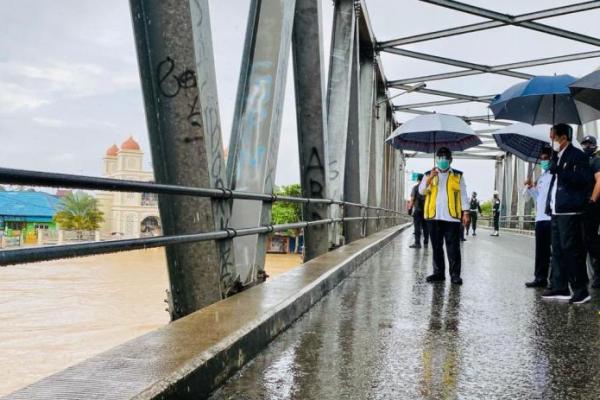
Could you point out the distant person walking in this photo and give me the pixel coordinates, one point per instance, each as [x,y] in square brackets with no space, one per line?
[474,208]
[592,213]
[416,207]
[496,213]
[543,231]
[567,201]
[446,206]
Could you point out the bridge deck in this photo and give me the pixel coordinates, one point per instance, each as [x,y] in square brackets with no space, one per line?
[384,333]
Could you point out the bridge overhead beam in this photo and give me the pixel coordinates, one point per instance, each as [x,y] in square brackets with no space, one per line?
[518,19]
[479,118]
[254,141]
[525,22]
[442,93]
[311,116]
[177,73]
[497,68]
[456,63]
[338,102]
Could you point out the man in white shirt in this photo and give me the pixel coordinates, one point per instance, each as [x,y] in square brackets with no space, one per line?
[446,206]
[543,226]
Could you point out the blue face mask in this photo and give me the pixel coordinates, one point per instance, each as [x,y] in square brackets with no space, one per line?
[545,164]
[443,164]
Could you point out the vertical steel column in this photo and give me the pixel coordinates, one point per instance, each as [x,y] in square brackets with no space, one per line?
[499,174]
[311,120]
[520,173]
[375,167]
[254,139]
[338,102]
[366,105]
[352,170]
[381,135]
[213,142]
[529,203]
[176,127]
[507,186]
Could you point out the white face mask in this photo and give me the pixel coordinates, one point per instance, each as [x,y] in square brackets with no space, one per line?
[556,146]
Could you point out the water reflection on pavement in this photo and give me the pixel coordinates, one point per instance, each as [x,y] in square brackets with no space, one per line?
[386,334]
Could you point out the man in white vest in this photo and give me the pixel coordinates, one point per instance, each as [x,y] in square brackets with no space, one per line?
[446,207]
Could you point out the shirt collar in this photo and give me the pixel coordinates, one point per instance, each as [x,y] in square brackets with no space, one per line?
[560,153]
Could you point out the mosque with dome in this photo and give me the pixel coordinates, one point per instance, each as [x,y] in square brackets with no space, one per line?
[128,215]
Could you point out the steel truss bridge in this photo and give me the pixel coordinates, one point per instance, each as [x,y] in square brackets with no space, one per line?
[216,211]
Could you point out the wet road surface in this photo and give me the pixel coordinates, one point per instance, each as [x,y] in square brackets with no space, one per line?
[386,334]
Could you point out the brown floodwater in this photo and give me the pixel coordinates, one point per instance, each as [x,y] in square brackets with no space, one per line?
[55,314]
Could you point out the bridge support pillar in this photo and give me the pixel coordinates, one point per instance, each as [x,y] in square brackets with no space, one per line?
[254,142]
[175,58]
[338,104]
[311,121]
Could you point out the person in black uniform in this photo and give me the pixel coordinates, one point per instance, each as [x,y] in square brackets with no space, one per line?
[496,211]
[474,208]
[568,198]
[592,213]
[416,207]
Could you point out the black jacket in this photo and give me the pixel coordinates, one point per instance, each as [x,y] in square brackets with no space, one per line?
[573,177]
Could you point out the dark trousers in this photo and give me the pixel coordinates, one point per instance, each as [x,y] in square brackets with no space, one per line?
[568,254]
[448,232]
[543,250]
[420,227]
[496,221]
[473,215]
[591,223]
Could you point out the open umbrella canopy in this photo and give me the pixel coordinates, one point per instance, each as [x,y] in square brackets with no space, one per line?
[427,133]
[587,89]
[542,100]
[523,140]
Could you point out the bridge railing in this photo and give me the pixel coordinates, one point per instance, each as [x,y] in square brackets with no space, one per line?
[58,180]
[518,222]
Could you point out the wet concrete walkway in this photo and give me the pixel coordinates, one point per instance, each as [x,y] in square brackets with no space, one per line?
[386,334]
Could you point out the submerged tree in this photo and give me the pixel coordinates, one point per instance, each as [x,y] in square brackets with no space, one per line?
[79,211]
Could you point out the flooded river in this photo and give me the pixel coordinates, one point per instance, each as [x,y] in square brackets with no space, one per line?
[55,314]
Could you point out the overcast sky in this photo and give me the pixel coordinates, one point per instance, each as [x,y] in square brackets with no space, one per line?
[69,84]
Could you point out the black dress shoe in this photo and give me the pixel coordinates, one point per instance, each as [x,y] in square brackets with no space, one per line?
[415,246]
[435,278]
[456,280]
[536,284]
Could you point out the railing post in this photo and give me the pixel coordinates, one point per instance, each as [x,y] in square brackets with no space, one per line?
[338,103]
[164,35]
[254,141]
[311,121]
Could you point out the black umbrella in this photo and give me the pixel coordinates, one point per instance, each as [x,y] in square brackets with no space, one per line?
[587,89]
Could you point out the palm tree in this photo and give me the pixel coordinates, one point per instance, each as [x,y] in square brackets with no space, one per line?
[79,211]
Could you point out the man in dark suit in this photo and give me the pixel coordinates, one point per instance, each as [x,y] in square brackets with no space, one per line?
[566,203]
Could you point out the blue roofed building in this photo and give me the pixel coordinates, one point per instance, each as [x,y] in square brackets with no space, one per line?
[23,214]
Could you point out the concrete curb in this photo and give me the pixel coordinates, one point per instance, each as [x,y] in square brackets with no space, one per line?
[191,357]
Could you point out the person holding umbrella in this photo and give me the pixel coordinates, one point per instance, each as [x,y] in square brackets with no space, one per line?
[566,203]
[543,231]
[446,207]
[592,214]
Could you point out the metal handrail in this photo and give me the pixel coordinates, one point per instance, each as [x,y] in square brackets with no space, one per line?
[48,179]
[51,179]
